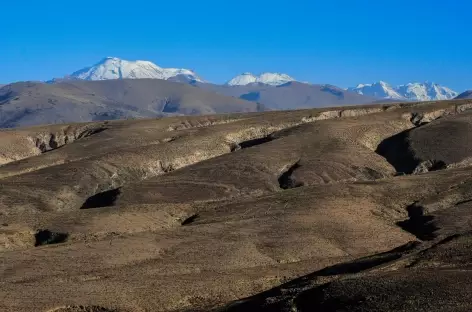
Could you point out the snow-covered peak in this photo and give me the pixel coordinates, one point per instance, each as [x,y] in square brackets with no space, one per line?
[379,89]
[274,79]
[242,80]
[426,91]
[115,68]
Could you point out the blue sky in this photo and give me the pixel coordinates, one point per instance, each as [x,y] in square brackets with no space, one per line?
[339,42]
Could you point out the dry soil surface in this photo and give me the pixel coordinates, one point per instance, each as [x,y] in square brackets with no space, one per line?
[360,208]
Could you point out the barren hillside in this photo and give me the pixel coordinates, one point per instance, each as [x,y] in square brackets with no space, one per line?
[35,103]
[360,208]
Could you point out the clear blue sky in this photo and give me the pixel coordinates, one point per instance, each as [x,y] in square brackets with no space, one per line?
[342,42]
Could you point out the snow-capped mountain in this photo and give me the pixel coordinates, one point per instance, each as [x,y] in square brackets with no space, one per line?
[379,89]
[115,68]
[273,79]
[426,91]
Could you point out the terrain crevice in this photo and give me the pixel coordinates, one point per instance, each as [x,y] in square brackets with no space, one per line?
[199,123]
[83,308]
[102,199]
[407,150]
[396,151]
[419,224]
[51,141]
[46,237]
[343,113]
[254,142]
[251,143]
[189,220]
[32,142]
[286,181]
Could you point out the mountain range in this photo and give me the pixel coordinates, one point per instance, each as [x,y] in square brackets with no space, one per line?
[35,103]
[426,91]
[115,68]
[120,89]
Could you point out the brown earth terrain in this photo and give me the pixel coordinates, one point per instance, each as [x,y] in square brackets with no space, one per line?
[362,208]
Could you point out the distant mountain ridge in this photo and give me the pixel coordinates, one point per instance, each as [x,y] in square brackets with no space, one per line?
[426,91]
[35,103]
[271,90]
[111,68]
[290,95]
[465,95]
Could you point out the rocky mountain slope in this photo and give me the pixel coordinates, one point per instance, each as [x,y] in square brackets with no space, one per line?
[28,103]
[410,92]
[333,209]
[465,95]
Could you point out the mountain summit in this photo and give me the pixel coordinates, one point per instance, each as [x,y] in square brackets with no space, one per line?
[379,89]
[115,68]
[273,79]
[426,91]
